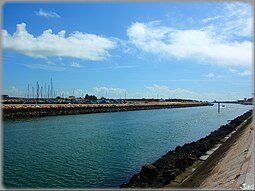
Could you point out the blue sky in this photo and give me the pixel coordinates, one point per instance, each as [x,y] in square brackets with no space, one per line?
[197,50]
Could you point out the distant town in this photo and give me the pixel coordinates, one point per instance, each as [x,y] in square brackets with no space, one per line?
[92,99]
[40,94]
[88,99]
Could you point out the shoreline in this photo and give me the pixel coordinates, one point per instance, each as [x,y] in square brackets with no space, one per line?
[228,166]
[19,111]
[172,165]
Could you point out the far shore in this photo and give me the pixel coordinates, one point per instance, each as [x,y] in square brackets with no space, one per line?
[13,111]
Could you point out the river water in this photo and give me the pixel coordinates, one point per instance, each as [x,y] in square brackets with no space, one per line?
[100,150]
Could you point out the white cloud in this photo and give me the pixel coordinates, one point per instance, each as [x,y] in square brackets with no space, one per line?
[14,92]
[233,20]
[63,93]
[79,93]
[48,14]
[123,66]
[158,88]
[152,91]
[45,67]
[53,66]
[75,65]
[233,71]
[77,45]
[210,19]
[210,75]
[165,92]
[237,19]
[110,92]
[185,44]
[117,66]
[217,41]
[245,73]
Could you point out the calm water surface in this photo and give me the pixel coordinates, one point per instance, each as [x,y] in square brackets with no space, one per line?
[100,150]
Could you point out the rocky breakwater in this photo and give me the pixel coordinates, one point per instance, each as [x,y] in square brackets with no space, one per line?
[15,111]
[173,163]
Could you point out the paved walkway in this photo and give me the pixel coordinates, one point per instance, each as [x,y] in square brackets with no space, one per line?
[247,180]
[235,170]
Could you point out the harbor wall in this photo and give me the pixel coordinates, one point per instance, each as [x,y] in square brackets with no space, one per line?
[24,111]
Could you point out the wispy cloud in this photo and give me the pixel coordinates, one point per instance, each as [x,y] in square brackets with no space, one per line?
[165,92]
[245,73]
[210,19]
[54,66]
[110,91]
[123,67]
[114,67]
[120,66]
[233,20]
[77,45]
[13,91]
[45,67]
[75,65]
[233,71]
[215,43]
[189,44]
[212,75]
[237,19]
[239,73]
[49,14]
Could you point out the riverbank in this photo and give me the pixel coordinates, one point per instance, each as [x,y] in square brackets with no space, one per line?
[15,111]
[230,167]
[174,163]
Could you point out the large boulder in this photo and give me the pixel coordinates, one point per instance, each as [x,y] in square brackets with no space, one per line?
[150,171]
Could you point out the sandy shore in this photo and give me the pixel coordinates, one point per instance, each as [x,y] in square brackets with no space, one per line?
[231,167]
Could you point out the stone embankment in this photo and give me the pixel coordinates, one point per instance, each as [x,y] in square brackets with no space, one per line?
[169,166]
[229,167]
[15,111]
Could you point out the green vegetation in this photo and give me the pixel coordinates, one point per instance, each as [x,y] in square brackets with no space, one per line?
[91,97]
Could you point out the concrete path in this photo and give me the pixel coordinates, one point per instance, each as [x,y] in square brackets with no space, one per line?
[235,170]
[246,179]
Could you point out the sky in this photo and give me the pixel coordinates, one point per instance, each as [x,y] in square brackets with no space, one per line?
[192,50]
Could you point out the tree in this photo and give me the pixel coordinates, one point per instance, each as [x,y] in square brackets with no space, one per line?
[91,97]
